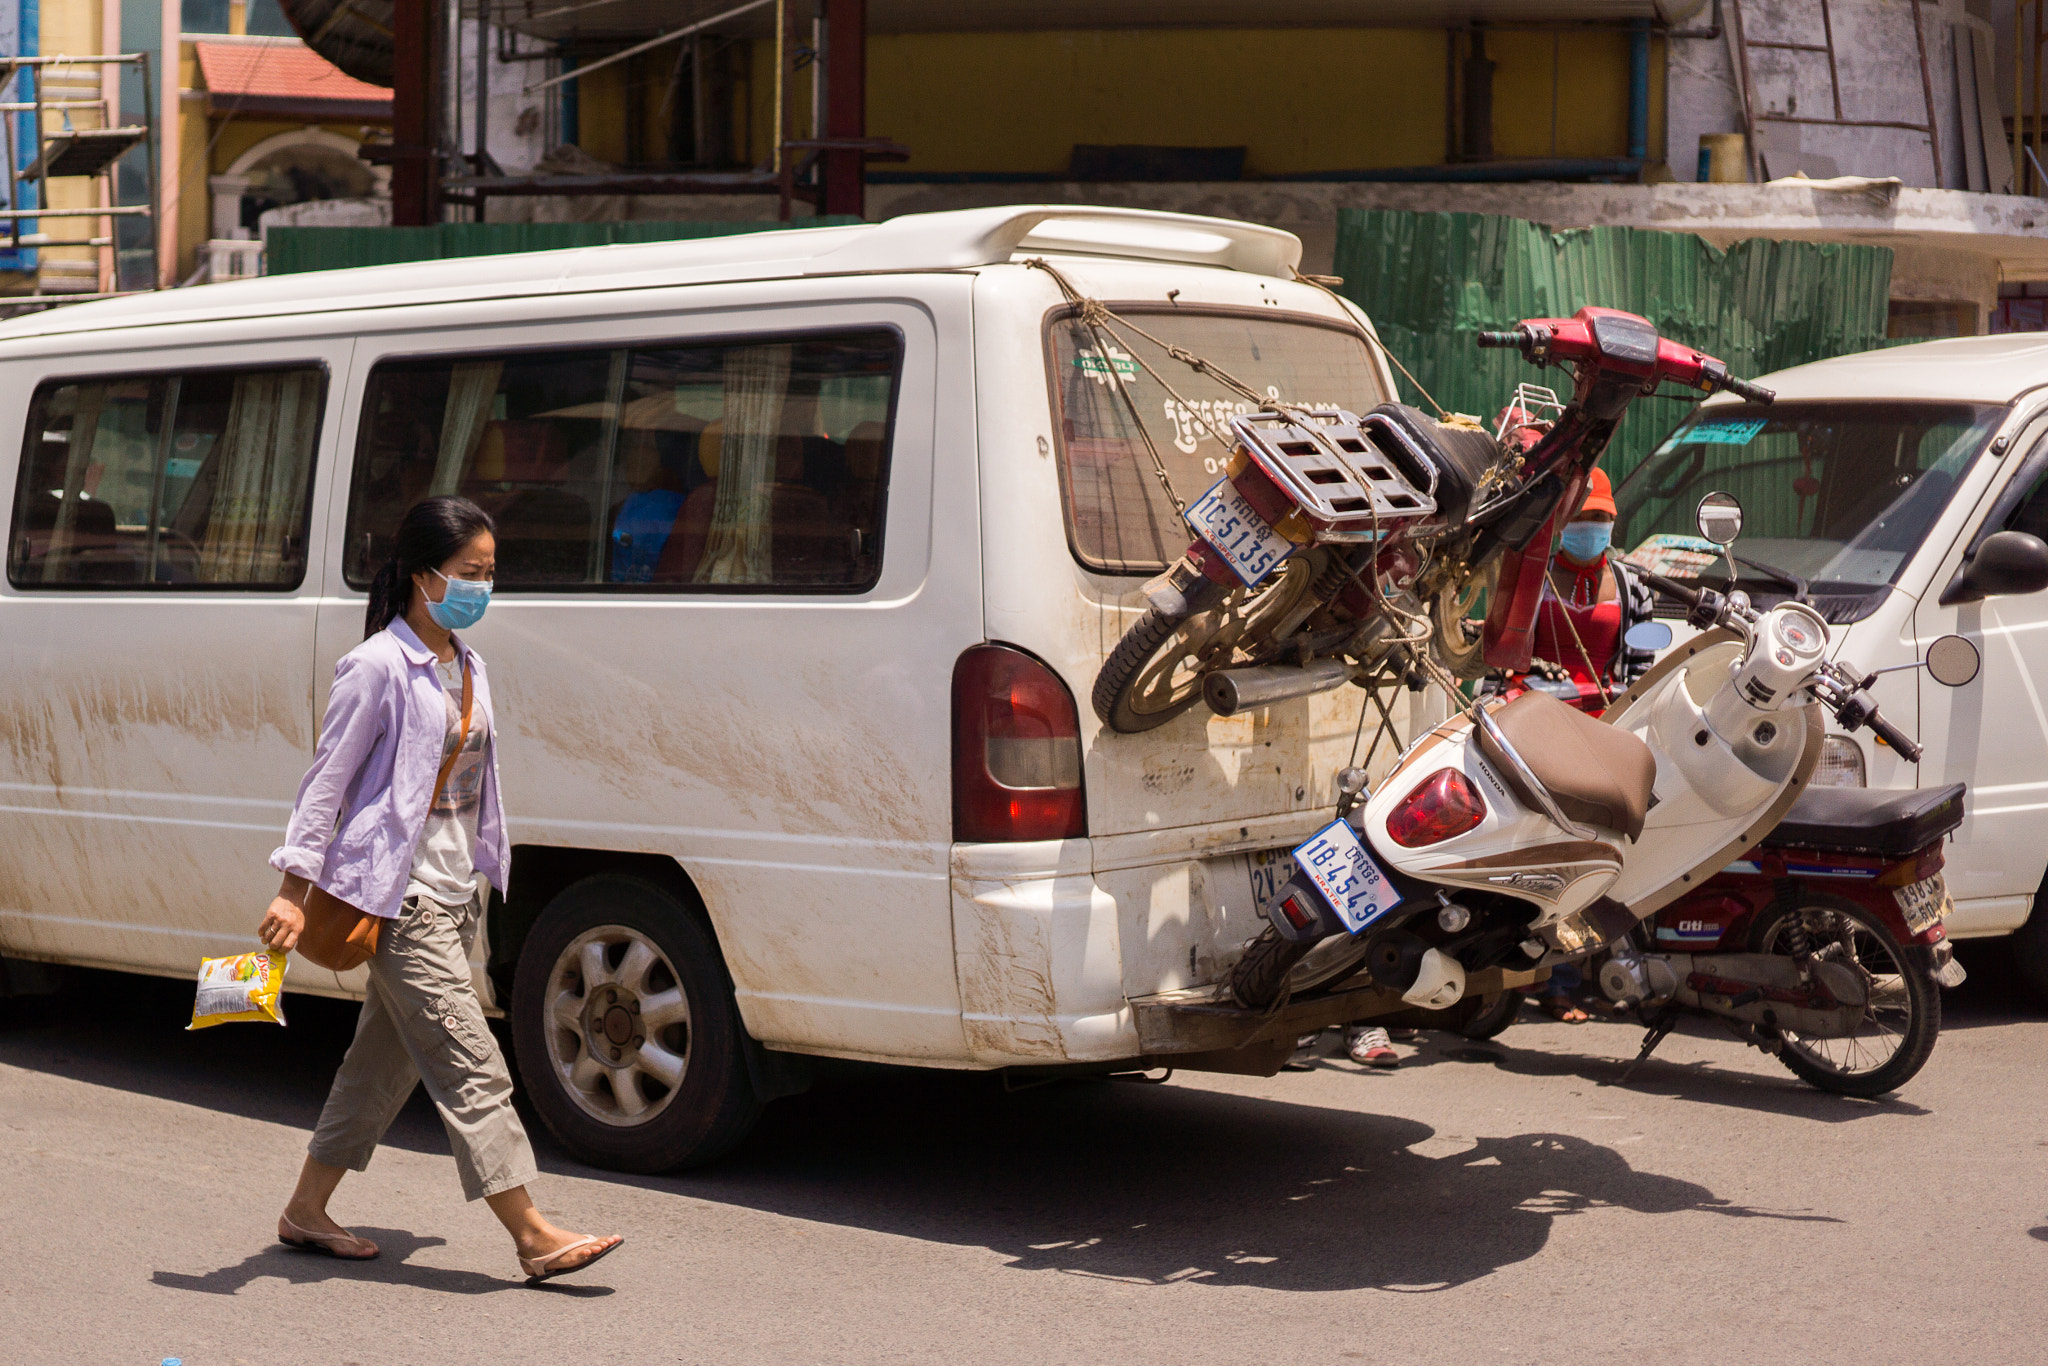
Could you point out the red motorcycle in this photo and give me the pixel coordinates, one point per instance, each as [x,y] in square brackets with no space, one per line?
[1847,895]
[1337,547]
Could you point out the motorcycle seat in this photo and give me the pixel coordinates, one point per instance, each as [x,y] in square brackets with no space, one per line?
[1597,774]
[1862,820]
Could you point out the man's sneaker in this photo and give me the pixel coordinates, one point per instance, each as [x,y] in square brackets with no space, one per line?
[1371,1048]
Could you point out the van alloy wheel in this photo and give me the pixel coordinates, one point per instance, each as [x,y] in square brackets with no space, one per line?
[620,1025]
[624,1027]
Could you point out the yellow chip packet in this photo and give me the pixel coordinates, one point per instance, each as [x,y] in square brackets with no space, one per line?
[245,987]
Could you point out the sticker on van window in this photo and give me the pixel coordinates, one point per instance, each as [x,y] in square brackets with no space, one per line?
[1093,365]
[1723,433]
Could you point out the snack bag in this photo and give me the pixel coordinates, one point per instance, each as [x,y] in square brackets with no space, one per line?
[245,987]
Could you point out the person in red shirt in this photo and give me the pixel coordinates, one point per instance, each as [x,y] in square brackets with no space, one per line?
[1590,599]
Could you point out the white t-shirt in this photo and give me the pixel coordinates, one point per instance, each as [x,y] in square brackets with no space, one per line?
[444,868]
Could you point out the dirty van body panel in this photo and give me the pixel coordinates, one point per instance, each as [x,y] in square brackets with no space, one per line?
[1054,937]
[789,750]
[152,734]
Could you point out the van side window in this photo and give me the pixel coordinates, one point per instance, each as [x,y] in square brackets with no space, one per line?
[2031,515]
[196,480]
[697,467]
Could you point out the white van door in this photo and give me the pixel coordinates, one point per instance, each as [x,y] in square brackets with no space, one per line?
[159,624]
[1993,733]
[720,632]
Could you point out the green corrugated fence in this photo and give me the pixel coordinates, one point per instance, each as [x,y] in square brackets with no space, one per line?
[1430,280]
[290,250]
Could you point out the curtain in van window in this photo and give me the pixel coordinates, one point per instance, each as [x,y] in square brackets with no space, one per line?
[472,398]
[261,462]
[741,545]
[85,422]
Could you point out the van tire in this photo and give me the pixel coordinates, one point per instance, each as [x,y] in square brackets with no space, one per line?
[647,951]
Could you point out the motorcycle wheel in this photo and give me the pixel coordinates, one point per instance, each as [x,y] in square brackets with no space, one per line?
[1460,650]
[1260,974]
[1155,672]
[1899,1024]
[1494,1016]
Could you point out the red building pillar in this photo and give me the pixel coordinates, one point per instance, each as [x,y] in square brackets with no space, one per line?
[413,198]
[846,106]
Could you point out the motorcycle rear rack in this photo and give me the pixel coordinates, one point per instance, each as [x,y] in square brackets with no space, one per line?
[1353,478]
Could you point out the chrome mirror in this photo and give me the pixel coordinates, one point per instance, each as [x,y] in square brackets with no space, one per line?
[1720,518]
[1953,661]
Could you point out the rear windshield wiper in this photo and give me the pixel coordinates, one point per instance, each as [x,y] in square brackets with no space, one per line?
[1800,589]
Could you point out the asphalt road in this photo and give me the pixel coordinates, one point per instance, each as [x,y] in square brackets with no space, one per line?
[1503,1202]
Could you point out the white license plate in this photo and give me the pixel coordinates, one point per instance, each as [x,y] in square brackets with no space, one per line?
[1335,860]
[1245,540]
[1924,903]
[1268,869]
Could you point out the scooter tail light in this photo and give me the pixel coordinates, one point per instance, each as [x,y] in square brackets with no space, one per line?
[1442,805]
[1298,915]
[1016,751]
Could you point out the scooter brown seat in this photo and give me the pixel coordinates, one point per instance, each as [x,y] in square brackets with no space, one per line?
[1595,773]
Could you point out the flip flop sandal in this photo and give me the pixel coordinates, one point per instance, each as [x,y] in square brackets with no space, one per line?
[323,1243]
[540,1269]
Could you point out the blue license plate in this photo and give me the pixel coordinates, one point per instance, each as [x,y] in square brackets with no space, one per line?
[1355,886]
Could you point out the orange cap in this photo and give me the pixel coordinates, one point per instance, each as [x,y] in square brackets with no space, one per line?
[1599,494]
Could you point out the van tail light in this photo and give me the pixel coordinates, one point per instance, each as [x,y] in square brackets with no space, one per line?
[1016,750]
[1442,805]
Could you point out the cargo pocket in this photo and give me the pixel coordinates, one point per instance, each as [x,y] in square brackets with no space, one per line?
[463,1017]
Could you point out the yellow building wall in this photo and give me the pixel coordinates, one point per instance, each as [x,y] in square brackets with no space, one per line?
[68,26]
[1298,100]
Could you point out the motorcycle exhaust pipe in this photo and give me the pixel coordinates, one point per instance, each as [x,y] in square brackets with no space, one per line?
[1230,691]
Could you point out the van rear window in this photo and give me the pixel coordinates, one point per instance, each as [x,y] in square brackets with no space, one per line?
[1119,518]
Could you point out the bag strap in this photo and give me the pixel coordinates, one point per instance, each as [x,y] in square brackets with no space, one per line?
[448,764]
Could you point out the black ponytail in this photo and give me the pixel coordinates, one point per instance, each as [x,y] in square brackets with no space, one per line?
[432,533]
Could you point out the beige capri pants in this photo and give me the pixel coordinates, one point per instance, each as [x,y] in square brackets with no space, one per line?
[422,1021]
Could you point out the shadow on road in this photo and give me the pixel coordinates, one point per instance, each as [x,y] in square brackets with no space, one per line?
[1155,1184]
[391,1268]
[1700,1083]
[1144,1184]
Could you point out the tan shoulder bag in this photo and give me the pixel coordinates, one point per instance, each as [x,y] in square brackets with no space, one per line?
[337,935]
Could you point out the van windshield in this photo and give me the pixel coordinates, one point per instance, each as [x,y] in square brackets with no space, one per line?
[1838,493]
[1119,518]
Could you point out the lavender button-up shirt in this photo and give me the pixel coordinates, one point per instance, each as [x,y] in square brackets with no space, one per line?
[363,805]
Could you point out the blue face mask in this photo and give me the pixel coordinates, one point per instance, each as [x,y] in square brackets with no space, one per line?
[1586,541]
[462,603]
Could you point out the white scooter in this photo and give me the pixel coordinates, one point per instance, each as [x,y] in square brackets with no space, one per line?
[1525,833]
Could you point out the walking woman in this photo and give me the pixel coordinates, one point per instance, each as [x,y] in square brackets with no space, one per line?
[386,823]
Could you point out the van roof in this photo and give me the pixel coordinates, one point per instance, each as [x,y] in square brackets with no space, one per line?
[1973,369]
[957,240]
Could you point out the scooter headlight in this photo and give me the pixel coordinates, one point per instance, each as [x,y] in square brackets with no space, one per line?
[1443,805]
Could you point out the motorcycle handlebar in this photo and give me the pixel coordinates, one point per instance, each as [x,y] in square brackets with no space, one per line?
[1908,749]
[1755,393]
[1501,340]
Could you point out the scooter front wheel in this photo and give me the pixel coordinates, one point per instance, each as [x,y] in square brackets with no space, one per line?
[1893,1040]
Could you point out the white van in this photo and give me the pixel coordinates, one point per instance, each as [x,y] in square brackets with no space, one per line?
[807,543]
[1906,492]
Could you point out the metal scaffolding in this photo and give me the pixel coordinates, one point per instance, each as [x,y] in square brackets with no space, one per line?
[77,134]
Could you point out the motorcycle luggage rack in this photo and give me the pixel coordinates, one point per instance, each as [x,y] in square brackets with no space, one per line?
[1346,473]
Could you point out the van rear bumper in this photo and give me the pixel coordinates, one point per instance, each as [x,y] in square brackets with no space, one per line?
[1052,939]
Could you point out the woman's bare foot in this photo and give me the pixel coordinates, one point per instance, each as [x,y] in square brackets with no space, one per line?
[544,1250]
[310,1230]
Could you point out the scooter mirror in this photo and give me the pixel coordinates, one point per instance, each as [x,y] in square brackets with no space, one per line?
[1720,518]
[1648,637]
[1953,661]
